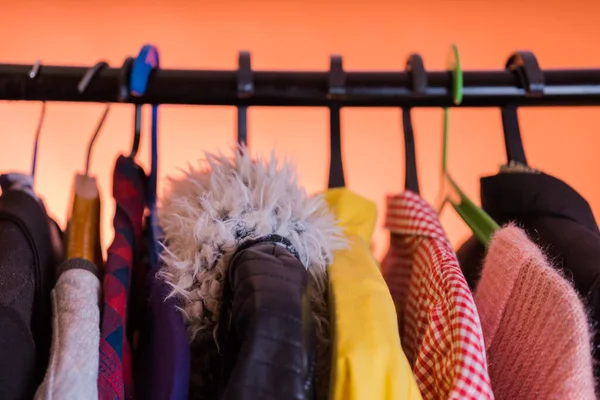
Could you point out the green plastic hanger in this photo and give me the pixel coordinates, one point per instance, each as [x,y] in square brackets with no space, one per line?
[482,225]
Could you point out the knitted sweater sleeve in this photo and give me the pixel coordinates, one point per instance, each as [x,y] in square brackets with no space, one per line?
[73,369]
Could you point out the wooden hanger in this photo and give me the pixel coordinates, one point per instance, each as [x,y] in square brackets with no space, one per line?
[83,230]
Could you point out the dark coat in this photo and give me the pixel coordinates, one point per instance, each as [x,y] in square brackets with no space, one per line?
[266,327]
[556,218]
[26,279]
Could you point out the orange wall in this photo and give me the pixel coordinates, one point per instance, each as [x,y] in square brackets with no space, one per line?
[301,35]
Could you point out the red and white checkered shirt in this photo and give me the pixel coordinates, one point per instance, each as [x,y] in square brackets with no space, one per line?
[439,325]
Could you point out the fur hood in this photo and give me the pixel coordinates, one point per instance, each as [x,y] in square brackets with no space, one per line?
[213,209]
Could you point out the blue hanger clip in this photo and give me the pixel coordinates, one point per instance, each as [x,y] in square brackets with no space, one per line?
[144,64]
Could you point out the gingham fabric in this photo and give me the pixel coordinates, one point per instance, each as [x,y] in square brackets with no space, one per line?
[439,325]
[115,379]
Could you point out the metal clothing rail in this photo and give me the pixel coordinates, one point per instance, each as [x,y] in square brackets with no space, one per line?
[521,83]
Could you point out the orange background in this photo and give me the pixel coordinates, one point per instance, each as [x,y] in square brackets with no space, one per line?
[301,35]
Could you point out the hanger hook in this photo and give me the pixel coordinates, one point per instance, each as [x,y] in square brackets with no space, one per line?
[456,91]
[143,66]
[337,90]
[417,74]
[82,87]
[415,68]
[455,68]
[33,73]
[125,95]
[124,79]
[245,89]
[531,79]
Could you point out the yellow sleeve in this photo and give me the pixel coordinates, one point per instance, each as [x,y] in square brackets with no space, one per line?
[368,361]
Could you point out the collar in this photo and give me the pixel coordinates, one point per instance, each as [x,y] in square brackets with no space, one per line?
[356,214]
[523,195]
[18,181]
[272,238]
[409,214]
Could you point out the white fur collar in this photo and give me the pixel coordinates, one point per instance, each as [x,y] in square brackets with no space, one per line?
[210,211]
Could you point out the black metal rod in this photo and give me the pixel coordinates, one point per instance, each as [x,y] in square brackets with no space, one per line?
[278,88]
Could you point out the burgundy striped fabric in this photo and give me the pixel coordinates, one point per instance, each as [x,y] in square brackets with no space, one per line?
[115,379]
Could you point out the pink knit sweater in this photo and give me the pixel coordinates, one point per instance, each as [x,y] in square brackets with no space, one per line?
[534,325]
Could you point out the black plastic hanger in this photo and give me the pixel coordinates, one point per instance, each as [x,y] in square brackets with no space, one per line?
[531,78]
[124,78]
[124,95]
[245,89]
[337,83]
[418,76]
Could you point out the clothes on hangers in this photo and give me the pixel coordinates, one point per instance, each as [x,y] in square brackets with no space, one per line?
[266,328]
[162,365]
[558,219]
[367,358]
[73,368]
[440,328]
[534,324]
[27,260]
[211,212]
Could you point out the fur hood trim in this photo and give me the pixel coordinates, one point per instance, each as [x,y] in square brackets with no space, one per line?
[215,208]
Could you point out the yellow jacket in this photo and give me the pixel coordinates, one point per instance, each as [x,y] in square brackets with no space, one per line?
[368,362]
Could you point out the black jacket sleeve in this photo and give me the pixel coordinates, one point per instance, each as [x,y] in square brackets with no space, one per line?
[266,326]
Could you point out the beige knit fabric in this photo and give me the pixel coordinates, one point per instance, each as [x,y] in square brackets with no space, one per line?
[534,325]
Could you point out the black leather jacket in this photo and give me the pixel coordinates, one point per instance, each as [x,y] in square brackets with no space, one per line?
[266,331]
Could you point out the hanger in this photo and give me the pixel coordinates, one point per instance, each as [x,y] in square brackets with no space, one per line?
[145,63]
[143,66]
[531,78]
[123,96]
[83,232]
[134,85]
[32,75]
[337,83]
[245,89]
[81,87]
[481,224]
[418,76]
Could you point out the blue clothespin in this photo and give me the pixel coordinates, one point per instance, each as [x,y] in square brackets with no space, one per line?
[146,62]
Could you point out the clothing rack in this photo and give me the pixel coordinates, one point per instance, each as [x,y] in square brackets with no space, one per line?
[521,83]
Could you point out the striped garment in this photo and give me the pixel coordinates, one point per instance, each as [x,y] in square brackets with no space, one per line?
[115,376]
